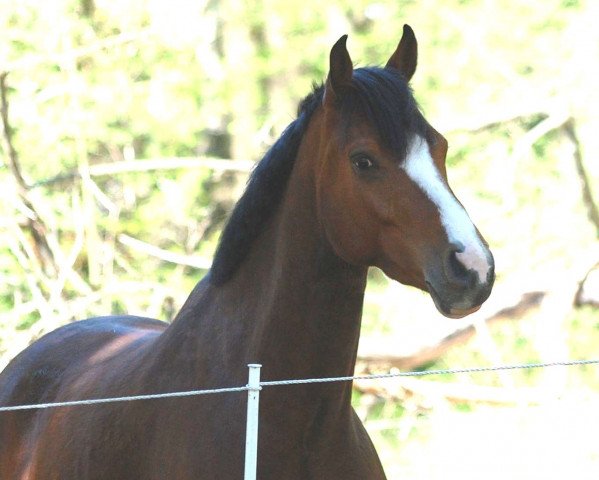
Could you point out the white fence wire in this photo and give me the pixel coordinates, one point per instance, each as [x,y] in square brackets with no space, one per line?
[255,385]
[274,383]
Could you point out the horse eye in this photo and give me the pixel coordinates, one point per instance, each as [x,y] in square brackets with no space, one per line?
[362,162]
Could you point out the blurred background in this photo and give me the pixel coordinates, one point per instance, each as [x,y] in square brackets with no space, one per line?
[128,131]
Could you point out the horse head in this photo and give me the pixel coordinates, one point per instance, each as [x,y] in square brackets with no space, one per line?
[382,190]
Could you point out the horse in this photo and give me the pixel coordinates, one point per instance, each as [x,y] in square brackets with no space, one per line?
[358,179]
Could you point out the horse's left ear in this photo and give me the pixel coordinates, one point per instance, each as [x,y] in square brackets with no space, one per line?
[340,71]
[405,56]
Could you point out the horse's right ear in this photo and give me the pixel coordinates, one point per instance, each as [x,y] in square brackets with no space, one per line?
[340,71]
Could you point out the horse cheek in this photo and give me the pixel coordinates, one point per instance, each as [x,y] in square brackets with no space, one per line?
[347,226]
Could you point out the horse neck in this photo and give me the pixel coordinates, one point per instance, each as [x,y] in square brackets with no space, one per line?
[292,305]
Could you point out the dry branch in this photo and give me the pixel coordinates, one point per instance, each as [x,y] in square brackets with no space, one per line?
[495,119]
[532,136]
[11,153]
[146,165]
[588,290]
[152,250]
[219,164]
[454,392]
[587,193]
[371,357]
[35,224]
[34,61]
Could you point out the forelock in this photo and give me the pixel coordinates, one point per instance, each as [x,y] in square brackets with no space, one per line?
[384,98]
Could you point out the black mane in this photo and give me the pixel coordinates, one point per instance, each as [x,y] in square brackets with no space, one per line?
[381,95]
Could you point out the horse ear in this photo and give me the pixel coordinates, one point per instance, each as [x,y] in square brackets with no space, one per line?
[340,70]
[405,56]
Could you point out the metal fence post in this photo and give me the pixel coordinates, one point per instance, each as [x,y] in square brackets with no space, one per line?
[251,433]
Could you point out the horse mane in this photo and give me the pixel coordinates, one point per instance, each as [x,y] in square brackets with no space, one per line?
[381,95]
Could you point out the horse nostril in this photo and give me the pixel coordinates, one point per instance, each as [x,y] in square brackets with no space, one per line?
[455,271]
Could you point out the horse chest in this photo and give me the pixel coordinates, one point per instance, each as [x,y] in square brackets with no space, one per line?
[326,442]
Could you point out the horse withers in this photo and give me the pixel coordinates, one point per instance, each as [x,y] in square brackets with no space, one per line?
[357,180]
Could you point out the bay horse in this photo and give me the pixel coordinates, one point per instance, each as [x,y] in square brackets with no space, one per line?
[357,180]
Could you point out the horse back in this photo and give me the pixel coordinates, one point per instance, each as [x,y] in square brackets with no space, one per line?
[41,371]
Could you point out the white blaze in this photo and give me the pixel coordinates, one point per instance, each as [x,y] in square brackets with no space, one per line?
[421,169]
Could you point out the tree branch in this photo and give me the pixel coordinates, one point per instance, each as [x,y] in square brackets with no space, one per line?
[35,224]
[587,193]
[454,392]
[11,153]
[152,250]
[492,120]
[375,356]
[146,165]
[588,289]
[34,61]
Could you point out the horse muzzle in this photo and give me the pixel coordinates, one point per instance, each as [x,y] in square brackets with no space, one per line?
[456,290]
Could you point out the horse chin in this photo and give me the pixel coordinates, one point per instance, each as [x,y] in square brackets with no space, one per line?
[448,311]
[459,313]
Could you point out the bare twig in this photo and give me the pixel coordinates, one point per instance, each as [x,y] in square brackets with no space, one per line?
[219,164]
[11,153]
[521,149]
[454,392]
[588,289]
[34,61]
[587,194]
[492,120]
[35,224]
[19,250]
[146,165]
[152,250]
[374,356]
[532,136]
[67,269]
